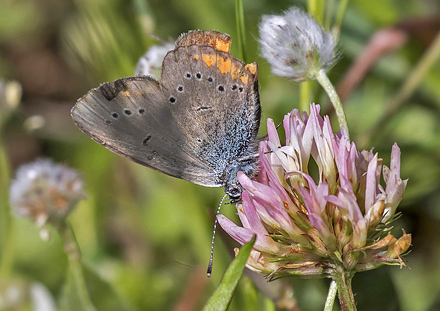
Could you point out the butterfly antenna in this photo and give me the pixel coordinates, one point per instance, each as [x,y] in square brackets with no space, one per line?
[265,136]
[209,271]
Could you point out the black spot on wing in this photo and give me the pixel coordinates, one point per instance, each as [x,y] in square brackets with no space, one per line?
[111,90]
[146,140]
[203,108]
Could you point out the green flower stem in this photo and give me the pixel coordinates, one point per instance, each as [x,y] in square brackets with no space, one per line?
[339,17]
[329,8]
[73,253]
[312,6]
[239,18]
[345,293]
[412,81]
[143,10]
[332,291]
[334,97]
[8,251]
[316,8]
[305,91]
[6,230]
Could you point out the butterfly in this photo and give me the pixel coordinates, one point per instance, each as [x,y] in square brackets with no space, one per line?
[200,123]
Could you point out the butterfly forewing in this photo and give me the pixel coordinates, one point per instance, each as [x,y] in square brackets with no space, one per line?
[130,117]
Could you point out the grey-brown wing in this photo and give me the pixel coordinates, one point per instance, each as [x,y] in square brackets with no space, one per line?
[131,117]
[216,97]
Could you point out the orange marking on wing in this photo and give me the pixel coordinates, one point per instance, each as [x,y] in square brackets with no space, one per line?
[208,59]
[195,57]
[244,79]
[125,93]
[252,68]
[235,71]
[222,45]
[224,64]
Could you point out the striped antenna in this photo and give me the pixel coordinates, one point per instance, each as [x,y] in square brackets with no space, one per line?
[209,271]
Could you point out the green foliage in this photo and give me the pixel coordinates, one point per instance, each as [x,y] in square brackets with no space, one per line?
[222,296]
[145,237]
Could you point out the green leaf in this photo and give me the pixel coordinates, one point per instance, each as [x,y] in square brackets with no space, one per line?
[249,294]
[222,296]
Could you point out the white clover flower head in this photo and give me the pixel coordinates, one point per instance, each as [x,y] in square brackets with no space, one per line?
[150,64]
[45,192]
[316,226]
[295,46]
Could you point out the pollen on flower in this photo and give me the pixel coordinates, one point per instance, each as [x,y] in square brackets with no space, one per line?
[45,192]
[307,226]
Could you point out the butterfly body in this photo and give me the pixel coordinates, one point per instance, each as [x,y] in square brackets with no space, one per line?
[199,123]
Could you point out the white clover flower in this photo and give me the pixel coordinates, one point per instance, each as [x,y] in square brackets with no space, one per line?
[295,46]
[150,64]
[45,192]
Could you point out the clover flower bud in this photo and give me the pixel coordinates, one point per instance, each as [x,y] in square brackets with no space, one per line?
[45,192]
[295,46]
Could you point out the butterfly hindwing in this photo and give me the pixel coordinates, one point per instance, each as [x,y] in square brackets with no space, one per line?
[214,98]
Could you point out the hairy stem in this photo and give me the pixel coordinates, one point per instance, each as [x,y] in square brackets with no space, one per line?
[345,293]
[334,97]
[332,291]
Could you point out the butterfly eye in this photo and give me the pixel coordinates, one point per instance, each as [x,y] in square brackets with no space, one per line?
[210,79]
[199,76]
[188,75]
[234,87]
[180,89]
[221,88]
[141,110]
[172,99]
[240,89]
[127,112]
[115,115]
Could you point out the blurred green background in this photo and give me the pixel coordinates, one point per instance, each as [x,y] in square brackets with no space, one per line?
[145,237]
